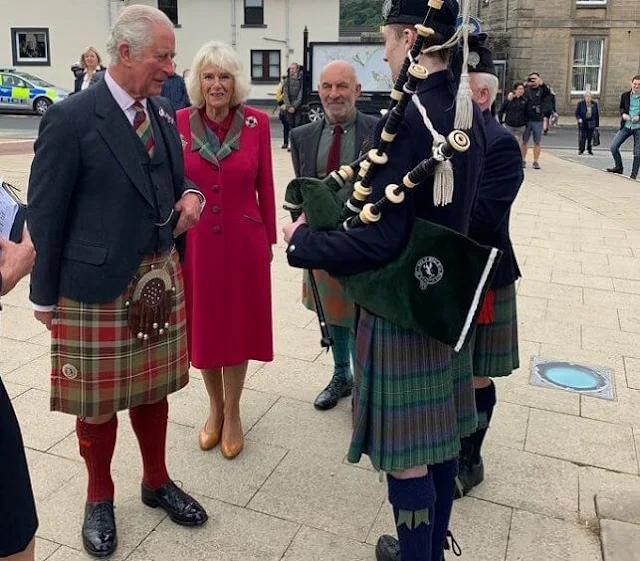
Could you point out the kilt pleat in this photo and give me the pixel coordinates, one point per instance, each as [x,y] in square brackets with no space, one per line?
[99,367]
[409,405]
[338,308]
[495,347]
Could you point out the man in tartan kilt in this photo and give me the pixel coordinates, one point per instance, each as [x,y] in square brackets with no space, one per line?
[413,400]
[495,345]
[107,198]
[317,149]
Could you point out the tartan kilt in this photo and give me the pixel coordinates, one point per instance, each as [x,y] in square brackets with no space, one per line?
[338,308]
[99,367]
[495,345]
[413,399]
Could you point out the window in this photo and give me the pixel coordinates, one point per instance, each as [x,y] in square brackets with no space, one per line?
[254,12]
[591,2]
[170,8]
[587,66]
[265,66]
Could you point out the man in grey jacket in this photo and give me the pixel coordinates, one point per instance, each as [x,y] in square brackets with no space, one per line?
[293,90]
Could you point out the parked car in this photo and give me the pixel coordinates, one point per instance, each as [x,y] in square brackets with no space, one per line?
[25,92]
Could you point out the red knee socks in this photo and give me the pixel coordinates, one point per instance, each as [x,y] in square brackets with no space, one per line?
[150,425]
[97,443]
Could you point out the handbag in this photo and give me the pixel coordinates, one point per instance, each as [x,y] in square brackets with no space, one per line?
[11,209]
[596,138]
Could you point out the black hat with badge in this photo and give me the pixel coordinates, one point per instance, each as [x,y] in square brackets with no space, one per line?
[480,58]
[414,11]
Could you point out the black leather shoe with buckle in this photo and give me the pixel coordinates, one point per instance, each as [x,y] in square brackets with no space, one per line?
[99,529]
[181,508]
[329,397]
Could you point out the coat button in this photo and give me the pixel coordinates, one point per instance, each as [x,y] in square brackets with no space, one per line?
[216,188]
[217,229]
[215,209]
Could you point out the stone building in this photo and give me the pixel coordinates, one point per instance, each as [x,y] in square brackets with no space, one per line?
[45,37]
[575,45]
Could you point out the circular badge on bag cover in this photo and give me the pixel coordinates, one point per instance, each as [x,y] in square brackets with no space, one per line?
[429,271]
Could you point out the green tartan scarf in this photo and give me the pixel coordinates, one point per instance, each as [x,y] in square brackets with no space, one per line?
[206,141]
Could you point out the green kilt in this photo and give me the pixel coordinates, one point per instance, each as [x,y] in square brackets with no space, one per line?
[413,399]
[495,345]
[99,367]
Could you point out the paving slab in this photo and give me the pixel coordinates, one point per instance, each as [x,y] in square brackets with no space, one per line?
[620,541]
[535,537]
[314,545]
[14,390]
[632,369]
[509,425]
[319,492]
[230,534]
[621,505]
[48,472]
[35,374]
[594,481]
[583,441]
[45,548]
[18,353]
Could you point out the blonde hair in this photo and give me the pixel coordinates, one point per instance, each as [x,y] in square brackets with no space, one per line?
[133,27]
[90,50]
[217,53]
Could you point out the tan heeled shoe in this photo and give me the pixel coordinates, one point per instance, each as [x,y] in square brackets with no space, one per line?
[230,449]
[209,440]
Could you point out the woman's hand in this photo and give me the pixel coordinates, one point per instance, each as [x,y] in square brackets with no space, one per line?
[270,254]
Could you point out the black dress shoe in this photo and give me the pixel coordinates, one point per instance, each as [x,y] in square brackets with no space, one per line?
[99,529]
[329,397]
[615,170]
[180,507]
[633,176]
[470,475]
[387,549]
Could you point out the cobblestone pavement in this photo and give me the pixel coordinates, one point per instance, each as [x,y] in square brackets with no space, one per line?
[291,495]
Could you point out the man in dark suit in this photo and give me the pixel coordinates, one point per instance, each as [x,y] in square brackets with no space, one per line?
[107,198]
[317,149]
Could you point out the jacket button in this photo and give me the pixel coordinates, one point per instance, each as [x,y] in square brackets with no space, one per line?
[215,209]
[217,229]
[216,188]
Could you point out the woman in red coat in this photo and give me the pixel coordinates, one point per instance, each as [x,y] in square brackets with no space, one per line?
[227,155]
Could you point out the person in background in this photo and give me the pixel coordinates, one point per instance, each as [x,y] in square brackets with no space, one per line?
[549,111]
[282,113]
[18,517]
[588,117]
[293,94]
[175,91]
[629,126]
[536,97]
[227,154]
[513,113]
[90,62]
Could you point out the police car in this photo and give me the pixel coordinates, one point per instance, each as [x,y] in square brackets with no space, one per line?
[19,90]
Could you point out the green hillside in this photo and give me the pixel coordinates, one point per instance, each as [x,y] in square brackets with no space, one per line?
[360,12]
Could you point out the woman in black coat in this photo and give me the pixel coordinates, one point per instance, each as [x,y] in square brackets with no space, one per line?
[588,117]
[514,112]
[90,62]
[18,519]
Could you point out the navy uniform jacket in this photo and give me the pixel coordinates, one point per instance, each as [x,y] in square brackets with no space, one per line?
[501,180]
[369,247]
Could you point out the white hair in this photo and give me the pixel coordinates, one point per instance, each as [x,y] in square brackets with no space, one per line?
[217,53]
[133,27]
[486,80]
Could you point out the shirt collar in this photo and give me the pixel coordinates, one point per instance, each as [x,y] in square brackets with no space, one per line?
[122,97]
[345,126]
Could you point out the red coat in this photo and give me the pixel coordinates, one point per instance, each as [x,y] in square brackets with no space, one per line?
[227,264]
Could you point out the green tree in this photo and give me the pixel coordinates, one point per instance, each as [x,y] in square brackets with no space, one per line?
[361,12]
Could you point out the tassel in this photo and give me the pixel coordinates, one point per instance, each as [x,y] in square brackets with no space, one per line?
[443,184]
[488,313]
[464,104]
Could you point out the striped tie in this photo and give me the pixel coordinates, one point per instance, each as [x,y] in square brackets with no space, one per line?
[142,126]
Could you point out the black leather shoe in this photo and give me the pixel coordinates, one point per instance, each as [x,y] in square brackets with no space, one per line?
[470,475]
[615,170]
[387,549]
[329,397]
[633,176]
[99,529]
[180,507]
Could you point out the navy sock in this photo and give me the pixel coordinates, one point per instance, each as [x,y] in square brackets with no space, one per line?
[444,476]
[341,350]
[412,501]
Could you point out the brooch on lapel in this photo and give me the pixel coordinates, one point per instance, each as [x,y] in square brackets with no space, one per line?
[166,116]
[251,122]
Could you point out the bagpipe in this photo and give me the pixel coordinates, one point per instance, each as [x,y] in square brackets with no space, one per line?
[438,283]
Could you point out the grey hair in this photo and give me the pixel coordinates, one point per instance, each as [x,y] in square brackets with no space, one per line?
[486,80]
[133,28]
[217,53]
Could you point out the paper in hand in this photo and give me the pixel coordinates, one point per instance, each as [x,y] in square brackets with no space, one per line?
[12,213]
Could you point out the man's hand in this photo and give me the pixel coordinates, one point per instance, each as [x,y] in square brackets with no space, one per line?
[626,117]
[290,229]
[291,110]
[44,318]
[16,260]
[189,208]
[635,119]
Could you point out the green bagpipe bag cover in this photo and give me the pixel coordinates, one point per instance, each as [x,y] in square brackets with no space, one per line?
[436,286]
[321,199]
